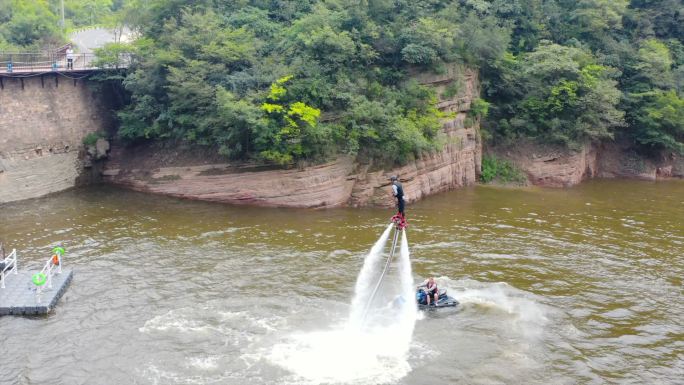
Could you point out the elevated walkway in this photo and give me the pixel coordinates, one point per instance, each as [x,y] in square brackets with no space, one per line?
[24,64]
[85,41]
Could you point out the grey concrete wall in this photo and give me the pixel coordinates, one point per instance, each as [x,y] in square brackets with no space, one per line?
[43,121]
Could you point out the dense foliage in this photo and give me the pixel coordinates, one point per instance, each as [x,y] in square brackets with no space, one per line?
[285,80]
[207,73]
[27,25]
[597,69]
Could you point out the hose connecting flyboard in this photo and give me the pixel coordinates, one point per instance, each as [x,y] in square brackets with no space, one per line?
[387,265]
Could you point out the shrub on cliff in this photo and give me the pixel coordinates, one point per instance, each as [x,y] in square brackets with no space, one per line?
[501,170]
[91,138]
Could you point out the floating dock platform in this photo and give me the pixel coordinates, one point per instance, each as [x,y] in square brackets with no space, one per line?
[19,295]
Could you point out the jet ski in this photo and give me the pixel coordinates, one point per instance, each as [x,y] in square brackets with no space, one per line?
[442,301]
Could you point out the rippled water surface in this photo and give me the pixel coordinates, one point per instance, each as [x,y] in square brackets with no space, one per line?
[557,286]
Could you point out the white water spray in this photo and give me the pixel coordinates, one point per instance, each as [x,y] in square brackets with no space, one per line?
[367,279]
[373,350]
[409,309]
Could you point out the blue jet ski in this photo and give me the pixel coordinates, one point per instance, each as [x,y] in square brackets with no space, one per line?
[442,301]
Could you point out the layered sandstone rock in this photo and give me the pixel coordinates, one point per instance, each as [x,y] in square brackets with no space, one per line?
[339,183]
[326,185]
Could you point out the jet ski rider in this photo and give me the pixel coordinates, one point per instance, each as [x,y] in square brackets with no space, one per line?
[430,288]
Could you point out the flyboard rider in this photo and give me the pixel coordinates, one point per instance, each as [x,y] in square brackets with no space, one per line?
[398,194]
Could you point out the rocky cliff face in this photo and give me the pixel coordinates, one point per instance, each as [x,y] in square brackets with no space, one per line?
[457,165]
[43,121]
[562,170]
[342,182]
[557,167]
[550,166]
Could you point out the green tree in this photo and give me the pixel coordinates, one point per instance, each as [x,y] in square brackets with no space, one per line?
[599,16]
[174,86]
[30,23]
[240,120]
[427,41]
[567,98]
[654,63]
[482,40]
[659,122]
[661,19]
[292,131]
[87,12]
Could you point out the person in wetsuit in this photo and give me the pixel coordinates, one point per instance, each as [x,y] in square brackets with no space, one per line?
[430,288]
[398,193]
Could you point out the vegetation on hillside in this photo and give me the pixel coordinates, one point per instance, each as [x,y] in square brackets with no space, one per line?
[554,71]
[28,25]
[206,73]
[597,69]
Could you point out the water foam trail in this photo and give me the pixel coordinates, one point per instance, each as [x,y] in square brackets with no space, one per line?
[366,280]
[527,316]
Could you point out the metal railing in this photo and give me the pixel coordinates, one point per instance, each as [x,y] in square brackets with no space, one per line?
[19,62]
[9,264]
[58,61]
[49,270]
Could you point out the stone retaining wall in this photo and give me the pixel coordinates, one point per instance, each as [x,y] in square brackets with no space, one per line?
[43,121]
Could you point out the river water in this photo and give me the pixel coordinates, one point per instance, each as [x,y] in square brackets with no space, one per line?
[582,285]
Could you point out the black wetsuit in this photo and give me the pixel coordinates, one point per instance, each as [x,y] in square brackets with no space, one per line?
[399,194]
